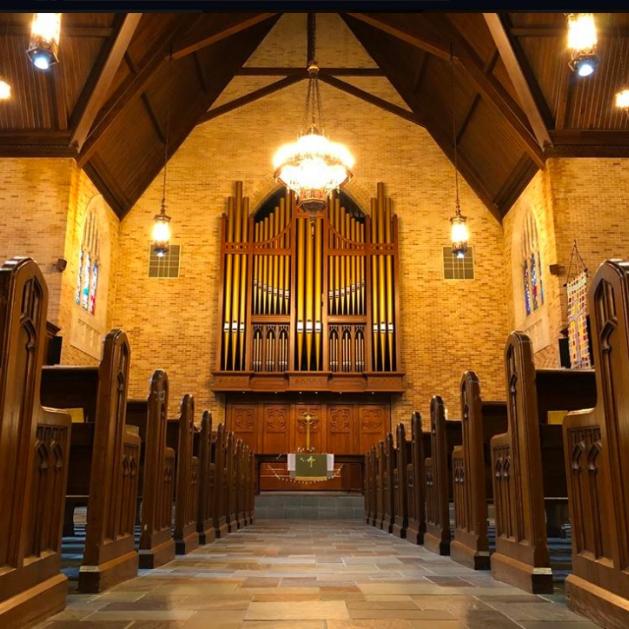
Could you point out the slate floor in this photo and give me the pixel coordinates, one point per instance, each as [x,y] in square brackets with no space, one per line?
[321,574]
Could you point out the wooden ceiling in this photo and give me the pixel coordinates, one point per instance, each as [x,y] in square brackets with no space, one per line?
[127,81]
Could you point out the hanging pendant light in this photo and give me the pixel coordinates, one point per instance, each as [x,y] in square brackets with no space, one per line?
[459,231]
[43,49]
[313,166]
[160,234]
[582,40]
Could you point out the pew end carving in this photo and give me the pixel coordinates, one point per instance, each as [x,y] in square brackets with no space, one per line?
[596,444]
[34,452]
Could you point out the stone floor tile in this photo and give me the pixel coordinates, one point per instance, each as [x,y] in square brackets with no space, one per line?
[310,610]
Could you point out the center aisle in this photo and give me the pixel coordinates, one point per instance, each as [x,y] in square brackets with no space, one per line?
[323,574]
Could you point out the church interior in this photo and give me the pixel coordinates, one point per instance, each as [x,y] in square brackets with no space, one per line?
[314,320]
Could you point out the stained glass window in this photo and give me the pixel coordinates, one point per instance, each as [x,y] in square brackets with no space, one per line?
[531,266]
[88,266]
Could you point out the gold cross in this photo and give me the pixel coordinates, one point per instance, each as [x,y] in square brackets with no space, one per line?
[308,420]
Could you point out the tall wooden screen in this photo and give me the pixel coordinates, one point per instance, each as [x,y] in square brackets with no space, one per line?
[308,302]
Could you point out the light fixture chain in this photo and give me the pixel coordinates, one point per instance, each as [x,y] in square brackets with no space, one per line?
[454,139]
[167,138]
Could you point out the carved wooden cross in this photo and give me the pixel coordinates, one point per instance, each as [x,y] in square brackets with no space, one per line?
[308,420]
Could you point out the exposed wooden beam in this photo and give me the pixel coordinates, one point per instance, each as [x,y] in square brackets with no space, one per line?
[203,82]
[286,71]
[385,105]
[96,89]
[489,67]
[398,27]
[189,47]
[494,94]
[250,98]
[520,82]
[590,143]
[406,89]
[34,143]
[131,87]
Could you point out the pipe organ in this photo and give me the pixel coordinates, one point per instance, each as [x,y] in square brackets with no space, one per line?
[308,302]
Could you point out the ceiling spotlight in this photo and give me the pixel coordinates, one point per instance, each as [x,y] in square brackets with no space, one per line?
[622,99]
[582,39]
[43,49]
[5,90]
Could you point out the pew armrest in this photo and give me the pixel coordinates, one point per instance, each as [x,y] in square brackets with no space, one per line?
[54,417]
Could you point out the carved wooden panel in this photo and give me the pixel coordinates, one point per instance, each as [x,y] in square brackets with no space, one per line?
[341,429]
[275,428]
[373,423]
[243,423]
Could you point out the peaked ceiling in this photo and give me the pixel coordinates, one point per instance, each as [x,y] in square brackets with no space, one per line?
[127,81]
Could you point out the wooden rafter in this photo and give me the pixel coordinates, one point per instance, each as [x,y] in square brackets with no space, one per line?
[406,89]
[251,97]
[430,36]
[385,105]
[495,95]
[97,86]
[187,48]
[131,87]
[509,57]
[286,71]
[399,28]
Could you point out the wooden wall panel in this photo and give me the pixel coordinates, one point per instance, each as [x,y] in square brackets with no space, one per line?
[243,423]
[277,426]
[373,424]
[341,429]
[276,423]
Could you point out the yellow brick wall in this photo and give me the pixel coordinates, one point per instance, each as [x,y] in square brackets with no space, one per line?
[445,327]
[582,199]
[34,196]
[43,204]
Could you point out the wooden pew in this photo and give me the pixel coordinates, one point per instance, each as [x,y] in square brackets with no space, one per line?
[471,473]
[444,436]
[203,450]
[400,483]
[180,437]
[230,488]
[34,452]
[596,444]
[379,474]
[108,481]
[220,483]
[388,496]
[250,487]
[527,463]
[415,478]
[157,473]
[370,485]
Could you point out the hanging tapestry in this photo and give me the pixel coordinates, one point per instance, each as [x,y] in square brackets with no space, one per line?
[577,322]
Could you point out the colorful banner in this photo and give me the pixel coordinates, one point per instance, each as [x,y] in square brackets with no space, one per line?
[577,322]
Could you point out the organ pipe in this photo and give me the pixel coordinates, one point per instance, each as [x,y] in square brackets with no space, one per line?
[348,255]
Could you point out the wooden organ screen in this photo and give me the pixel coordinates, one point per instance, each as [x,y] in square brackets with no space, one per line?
[308,303]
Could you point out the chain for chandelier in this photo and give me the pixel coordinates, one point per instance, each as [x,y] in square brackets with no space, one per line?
[312,109]
[313,166]
[161,222]
[459,233]
[454,134]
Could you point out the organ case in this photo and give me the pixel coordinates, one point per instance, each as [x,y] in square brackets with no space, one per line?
[308,303]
